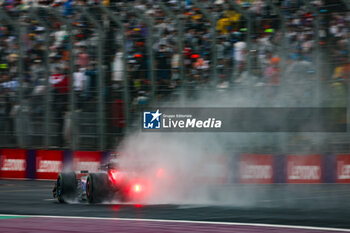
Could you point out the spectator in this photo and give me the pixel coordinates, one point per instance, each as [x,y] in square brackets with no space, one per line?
[272,73]
[239,56]
[59,82]
[83,58]
[118,67]
[231,47]
[91,82]
[79,84]
[163,60]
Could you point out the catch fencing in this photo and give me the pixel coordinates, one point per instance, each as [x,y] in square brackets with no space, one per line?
[76,77]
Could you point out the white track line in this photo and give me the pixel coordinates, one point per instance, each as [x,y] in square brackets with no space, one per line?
[187,221]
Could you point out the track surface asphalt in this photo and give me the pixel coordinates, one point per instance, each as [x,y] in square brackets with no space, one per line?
[35,198]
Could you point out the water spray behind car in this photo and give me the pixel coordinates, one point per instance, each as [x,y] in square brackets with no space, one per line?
[197,164]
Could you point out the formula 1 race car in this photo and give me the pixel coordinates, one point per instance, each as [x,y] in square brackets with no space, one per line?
[107,184]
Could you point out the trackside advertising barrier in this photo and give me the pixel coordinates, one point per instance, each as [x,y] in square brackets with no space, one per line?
[45,164]
[213,169]
[244,168]
[304,169]
[48,164]
[256,169]
[86,161]
[343,168]
[13,163]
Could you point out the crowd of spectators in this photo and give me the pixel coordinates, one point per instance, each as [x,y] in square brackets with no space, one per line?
[269,56]
[262,58]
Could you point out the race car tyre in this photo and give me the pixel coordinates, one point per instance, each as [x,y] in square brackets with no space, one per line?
[97,189]
[66,186]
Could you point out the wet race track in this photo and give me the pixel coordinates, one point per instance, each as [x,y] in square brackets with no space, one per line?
[28,205]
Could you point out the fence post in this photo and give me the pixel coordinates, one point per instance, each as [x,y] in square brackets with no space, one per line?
[149,41]
[71,67]
[248,17]
[34,14]
[347,3]
[17,27]
[101,113]
[212,21]
[179,25]
[284,50]
[316,52]
[119,22]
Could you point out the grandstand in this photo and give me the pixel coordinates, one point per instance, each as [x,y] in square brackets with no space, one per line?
[75,74]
